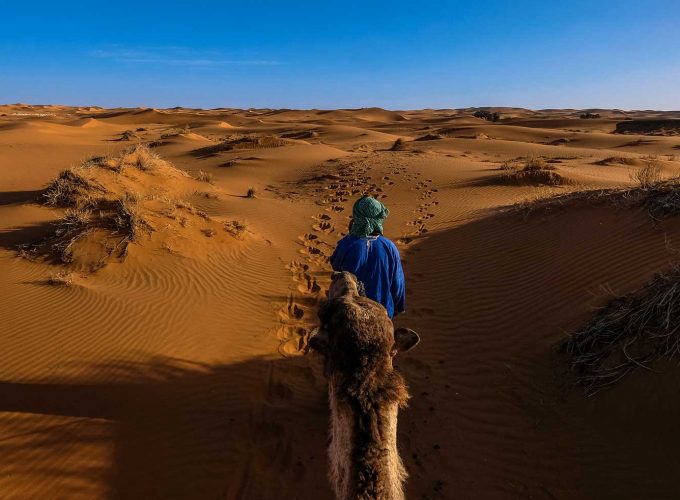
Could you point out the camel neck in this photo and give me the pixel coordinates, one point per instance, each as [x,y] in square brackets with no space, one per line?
[363,450]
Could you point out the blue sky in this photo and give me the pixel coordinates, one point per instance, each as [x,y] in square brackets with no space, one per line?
[331,54]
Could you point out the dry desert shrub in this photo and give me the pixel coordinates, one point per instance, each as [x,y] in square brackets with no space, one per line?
[128,135]
[95,161]
[204,177]
[507,166]
[62,278]
[120,220]
[235,142]
[647,176]
[68,230]
[250,193]
[534,170]
[146,160]
[138,156]
[628,333]
[71,187]
[235,228]
[613,160]
[128,219]
[487,115]
[398,145]
[184,205]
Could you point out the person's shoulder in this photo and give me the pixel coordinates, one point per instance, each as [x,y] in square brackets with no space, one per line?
[347,240]
[388,243]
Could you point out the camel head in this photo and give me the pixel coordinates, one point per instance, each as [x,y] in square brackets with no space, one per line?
[355,328]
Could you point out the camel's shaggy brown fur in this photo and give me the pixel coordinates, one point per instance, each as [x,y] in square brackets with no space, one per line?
[358,342]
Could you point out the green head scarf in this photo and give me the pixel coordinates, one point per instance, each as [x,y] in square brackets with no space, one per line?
[367,217]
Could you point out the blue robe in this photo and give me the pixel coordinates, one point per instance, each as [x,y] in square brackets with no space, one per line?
[376,263]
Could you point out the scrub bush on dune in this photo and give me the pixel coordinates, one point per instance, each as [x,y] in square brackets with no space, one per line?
[204,177]
[487,115]
[534,170]
[120,221]
[647,176]
[627,334]
[399,145]
[69,188]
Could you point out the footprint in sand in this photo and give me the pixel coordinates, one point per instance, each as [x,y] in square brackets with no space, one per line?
[294,310]
[324,226]
[293,340]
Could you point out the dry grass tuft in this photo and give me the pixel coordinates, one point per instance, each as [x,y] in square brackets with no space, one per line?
[139,157]
[70,188]
[630,332]
[68,230]
[204,177]
[184,205]
[235,228]
[146,160]
[614,160]
[95,161]
[647,176]
[120,222]
[533,170]
[62,278]
[129,135]
[128,219]
[250,193]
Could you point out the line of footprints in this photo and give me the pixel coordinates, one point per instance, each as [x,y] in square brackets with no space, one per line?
[316,246]
[310,275]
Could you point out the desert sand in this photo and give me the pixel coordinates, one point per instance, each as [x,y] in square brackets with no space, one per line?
[171,363]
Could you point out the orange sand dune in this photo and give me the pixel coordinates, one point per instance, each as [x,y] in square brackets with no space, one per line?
[175,368]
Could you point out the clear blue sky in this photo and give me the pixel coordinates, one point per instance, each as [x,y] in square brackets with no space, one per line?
[330,54]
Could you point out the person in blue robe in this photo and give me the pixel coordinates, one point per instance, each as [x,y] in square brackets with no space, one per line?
[371,257]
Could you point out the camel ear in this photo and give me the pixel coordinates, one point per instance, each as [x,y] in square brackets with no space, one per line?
[319,341]
[405,339]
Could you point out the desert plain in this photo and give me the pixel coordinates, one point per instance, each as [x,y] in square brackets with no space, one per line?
[160,271]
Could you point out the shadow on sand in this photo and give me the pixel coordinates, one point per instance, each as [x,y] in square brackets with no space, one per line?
[255,429]
[17,197]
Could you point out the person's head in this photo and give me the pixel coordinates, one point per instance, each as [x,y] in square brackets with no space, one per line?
[367,217]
